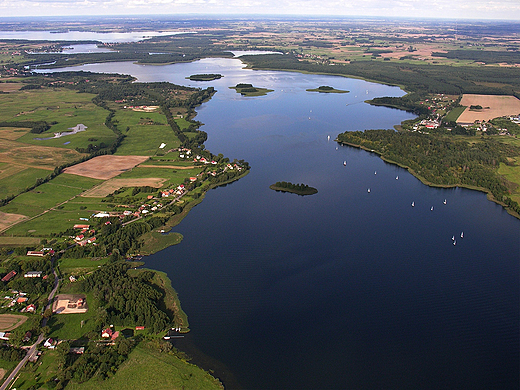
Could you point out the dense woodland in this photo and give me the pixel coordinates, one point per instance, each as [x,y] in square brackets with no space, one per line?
[128,300]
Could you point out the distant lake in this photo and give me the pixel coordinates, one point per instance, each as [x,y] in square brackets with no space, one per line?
[345,289]
[84,35]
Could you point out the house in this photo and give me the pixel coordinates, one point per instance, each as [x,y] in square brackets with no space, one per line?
[80,237]
[4,335]
[21,299]
[9,276]
[30,308]
[107,333]
[27,337]
[115,335]
[72,278]
[33,274]
[49,343]
[77,350]
[139,328]
[36,253]
[81,226]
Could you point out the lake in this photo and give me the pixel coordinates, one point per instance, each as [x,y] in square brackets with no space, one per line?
[345,289]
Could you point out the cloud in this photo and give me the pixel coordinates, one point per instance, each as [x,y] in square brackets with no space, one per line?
[478,9]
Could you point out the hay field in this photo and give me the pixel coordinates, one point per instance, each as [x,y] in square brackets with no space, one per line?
[18,241]
[7,220]
[494,106]
[11,321]
[12,133]
[105,167]
[112,185]
[42,157]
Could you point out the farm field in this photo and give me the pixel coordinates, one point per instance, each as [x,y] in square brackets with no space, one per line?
[493,106]
[44,197]
[114,184]
[146,133]
[18,241]
[105,167]
[66,107]
[9,322]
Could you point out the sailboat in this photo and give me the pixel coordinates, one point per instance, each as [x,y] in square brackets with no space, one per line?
[431,209]
[397,178]
[444,201]
[462,235]
[375,172]
[454,242]
[328,138]
[369,190]
[344,163]
[452,238]
[413,204]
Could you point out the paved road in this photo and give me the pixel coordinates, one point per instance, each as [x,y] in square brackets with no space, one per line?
[32,349]
[30,353]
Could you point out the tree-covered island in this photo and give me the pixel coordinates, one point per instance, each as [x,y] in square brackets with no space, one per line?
[249,90]
[299,189]
[326,89]
[205,77]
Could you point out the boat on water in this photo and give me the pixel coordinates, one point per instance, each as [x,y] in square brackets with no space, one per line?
[452,238]
[462,235]
[375,172]
[397,178]
[368,190]
[431,209]
[413,204]
[454,242]
[444,201]
[344,163]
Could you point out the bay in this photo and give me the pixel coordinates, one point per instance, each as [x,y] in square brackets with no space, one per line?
[347,288]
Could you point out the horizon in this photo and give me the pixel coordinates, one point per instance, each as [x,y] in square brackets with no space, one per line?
[499,10]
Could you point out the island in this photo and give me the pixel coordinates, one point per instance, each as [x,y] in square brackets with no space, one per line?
[326,89]
[249,90]
[299,189]
[205,77]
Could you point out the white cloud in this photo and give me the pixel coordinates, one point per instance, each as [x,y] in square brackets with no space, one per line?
[478,9]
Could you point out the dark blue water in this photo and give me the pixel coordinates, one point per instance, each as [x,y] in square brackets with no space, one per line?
[345,289]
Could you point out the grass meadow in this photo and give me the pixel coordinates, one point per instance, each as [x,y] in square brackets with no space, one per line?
[146,368]
[19,179]
[143,139]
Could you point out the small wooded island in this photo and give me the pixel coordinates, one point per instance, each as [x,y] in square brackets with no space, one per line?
[205,77]
[249,90]
[299,189]
[326,89]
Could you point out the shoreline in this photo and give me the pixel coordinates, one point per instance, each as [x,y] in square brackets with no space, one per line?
[431,184]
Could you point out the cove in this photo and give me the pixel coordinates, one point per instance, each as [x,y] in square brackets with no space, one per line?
[345,289]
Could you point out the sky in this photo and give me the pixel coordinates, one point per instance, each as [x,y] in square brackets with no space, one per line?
[458,9]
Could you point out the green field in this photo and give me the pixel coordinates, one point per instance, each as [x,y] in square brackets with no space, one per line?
[54,221]
[454,114]
[79,266]
[44,197]
[18,241]
[143,137]
[147,368]
[21,179]
[68,108]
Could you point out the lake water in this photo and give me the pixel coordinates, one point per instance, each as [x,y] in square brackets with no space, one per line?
[345,289]
[84,35]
